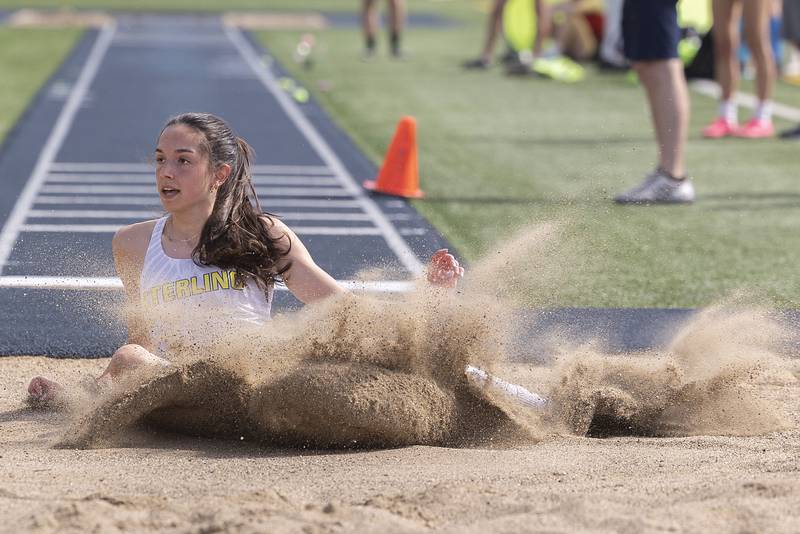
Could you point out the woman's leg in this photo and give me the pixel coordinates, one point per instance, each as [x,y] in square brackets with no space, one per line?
[397,17]
[369,24]
[727,16]
[125,359]
[756,15]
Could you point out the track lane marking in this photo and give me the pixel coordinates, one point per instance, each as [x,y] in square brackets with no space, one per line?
[10,232]
[114,284]
[396,243]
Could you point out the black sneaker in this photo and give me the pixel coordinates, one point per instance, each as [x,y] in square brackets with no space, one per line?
[791,135]
[476,64]
[519,69]
[509,56]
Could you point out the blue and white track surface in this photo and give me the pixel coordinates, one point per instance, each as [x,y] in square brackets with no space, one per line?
[75,169]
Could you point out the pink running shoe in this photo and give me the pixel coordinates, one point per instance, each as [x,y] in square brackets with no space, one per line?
[719,128]
[755,129]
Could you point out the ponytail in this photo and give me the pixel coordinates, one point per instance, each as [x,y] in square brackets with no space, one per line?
[237,233]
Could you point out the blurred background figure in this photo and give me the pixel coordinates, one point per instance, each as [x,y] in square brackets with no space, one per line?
[611,56]
[577,28]
[651,35]
[728,15]
[494,29]
[370,23]
[791,32]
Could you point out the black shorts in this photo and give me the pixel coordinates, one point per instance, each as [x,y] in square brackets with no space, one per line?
[650,29]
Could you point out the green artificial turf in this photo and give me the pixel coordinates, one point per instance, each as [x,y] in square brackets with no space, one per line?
[27,58]
[498,154]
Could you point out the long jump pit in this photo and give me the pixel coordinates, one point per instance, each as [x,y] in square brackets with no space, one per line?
[355,416]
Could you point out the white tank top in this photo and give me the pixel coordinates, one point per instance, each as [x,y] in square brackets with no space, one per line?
[189,305]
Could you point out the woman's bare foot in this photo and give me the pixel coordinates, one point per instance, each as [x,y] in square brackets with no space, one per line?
[43,392]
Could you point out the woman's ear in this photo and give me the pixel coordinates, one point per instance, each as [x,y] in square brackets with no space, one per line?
[221,175]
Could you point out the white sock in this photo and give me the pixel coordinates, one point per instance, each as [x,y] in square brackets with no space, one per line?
[518,393]
[763,111]
[727,110]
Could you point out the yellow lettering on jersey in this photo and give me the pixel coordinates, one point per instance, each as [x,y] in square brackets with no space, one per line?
[197,290]
[219,280]
[182,289]
[154,295]
[168,291]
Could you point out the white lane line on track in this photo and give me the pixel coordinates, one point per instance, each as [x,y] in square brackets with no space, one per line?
[118,179]
[112,228]
[269,204]
[393,238]
[141,215]
[144,168]
[277,191]
[10,231]
[711,89]
[95,214]
[114,284]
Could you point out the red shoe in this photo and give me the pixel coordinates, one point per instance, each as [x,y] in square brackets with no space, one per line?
[755,129]
[719,128]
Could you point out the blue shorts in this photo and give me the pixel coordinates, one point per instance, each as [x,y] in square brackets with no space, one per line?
[650,29]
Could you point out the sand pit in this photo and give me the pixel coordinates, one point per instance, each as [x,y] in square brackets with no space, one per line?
[33,18]
[356,415]
[174,483]
[255,21]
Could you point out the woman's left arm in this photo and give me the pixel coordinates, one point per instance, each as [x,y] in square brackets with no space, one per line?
[310,283]
[305,279]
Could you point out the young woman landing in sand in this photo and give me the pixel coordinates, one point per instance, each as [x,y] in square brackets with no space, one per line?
[215,252]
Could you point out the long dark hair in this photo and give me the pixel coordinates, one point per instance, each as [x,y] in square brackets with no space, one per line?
[236,234]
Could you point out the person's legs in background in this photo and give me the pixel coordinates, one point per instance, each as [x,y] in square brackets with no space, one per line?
[668,97]
[756,14]
[727,16]
[651,35]
[791,32]
[397,18]
[493,29]
[369,25]
[611,56]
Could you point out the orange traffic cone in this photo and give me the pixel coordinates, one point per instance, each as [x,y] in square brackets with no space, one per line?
[399,174]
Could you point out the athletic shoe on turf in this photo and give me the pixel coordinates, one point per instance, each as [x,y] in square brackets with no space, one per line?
[659,188]
[792,135]
[755,129]
[719,128]
[476,64]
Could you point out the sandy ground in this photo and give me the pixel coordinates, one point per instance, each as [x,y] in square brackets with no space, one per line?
[172,483]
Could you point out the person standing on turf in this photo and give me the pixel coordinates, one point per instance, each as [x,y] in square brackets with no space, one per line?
[728,15]
[651,34]
[791,32]
[495,28]
[212,262]
[369,25]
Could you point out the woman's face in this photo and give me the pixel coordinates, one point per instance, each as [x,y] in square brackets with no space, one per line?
[183,174]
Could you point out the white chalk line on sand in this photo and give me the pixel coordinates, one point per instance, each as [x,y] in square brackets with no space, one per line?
[712,90]
[115,284]
[396,243]
[11,229]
